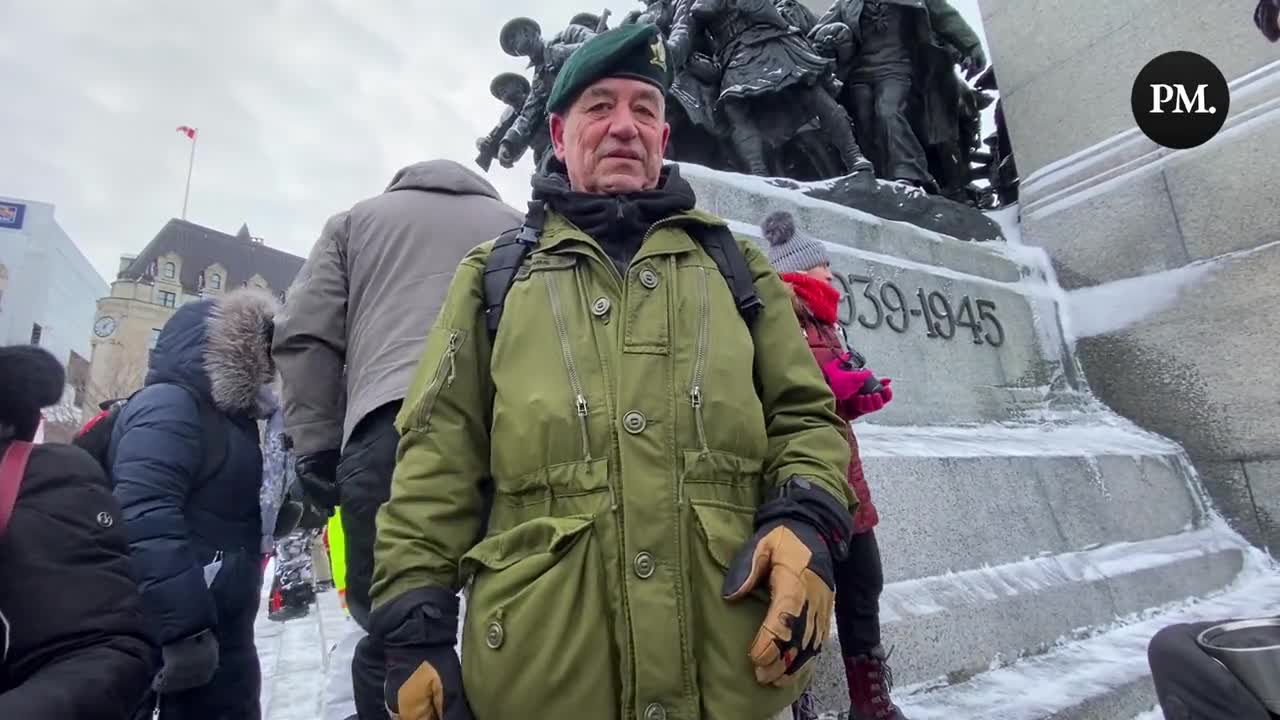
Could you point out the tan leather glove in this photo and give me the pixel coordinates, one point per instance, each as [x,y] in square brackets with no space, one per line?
[424,677]
[802,593]
[799,534]
[420,697]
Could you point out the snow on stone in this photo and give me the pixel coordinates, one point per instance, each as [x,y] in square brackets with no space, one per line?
[1039,687]
[761,186]
[942,593]
[1102,436]
[1010,222]
[753,231]
[1119,304]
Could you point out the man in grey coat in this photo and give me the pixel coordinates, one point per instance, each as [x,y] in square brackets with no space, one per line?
[347,343]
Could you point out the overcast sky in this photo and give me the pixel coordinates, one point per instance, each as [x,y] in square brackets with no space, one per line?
[303,106]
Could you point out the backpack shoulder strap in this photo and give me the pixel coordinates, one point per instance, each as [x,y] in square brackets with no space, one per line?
[718,242]
[12,467]
[508,253]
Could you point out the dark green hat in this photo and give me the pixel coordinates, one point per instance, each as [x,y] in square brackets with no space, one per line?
[630,51]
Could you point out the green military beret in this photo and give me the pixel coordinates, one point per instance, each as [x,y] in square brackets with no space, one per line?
[630,51]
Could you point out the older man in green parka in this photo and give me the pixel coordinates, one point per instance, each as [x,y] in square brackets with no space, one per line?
[644,488]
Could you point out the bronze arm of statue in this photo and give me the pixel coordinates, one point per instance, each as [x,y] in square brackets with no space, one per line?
[951,27]
[489,144]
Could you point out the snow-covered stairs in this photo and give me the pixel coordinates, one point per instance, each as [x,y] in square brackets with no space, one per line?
[1033,540]
[1104,677]
[1010,552]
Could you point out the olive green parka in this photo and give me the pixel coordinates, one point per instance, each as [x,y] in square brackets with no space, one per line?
[625,430]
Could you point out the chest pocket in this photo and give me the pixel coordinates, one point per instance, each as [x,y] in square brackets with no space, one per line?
[648,290]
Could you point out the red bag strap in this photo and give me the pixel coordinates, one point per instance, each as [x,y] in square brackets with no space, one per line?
[12,468]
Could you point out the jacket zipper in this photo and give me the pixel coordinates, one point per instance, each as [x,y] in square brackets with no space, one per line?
[423,417]
[700,360]
[579,398]
[699,366]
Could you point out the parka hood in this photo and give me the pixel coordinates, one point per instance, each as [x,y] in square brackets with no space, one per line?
[219,348]
[442,176]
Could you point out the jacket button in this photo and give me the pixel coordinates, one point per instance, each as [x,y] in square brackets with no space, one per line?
[644,565]
[649,278]
[493,635]
[600,307]
[634,422]
[655,712]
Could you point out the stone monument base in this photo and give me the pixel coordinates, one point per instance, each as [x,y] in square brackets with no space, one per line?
[1033,540]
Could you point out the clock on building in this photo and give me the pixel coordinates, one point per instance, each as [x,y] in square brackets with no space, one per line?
[104,326]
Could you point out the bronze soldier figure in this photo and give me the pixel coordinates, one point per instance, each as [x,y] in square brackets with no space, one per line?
[512,90]
[522,37]
[771,81]
[903,54]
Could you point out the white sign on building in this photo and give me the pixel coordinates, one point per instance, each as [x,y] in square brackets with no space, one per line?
[48,289]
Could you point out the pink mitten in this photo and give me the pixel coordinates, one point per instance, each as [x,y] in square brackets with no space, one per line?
[844,381]
[865,404]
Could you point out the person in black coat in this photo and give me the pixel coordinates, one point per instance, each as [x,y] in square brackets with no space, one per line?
[73,645]
[187,466]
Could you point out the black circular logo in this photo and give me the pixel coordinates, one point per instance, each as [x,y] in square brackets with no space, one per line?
[1180,100]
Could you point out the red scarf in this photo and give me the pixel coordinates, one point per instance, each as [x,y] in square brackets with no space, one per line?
[818,296]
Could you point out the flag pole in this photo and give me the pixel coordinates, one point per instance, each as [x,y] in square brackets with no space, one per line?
[190,164]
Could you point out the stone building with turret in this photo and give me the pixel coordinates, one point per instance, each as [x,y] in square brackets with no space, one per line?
[182,263]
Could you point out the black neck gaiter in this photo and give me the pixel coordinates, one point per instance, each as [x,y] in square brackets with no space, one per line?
[617,222]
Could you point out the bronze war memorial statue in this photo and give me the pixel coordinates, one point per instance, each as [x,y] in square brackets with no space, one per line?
[875,104]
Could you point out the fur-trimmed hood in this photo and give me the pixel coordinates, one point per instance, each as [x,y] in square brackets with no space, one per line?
[221,348]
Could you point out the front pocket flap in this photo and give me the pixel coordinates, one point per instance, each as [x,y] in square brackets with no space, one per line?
[535,537]
[714,466]
[579,477]
[725,529]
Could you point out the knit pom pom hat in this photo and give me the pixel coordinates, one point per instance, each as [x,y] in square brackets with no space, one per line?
[788,250]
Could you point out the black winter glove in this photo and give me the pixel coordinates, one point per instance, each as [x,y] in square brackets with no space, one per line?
[287,519]
[799,535]
[188,663]
[424,678]
[318,476]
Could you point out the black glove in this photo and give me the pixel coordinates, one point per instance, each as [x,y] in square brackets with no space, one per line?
[287,519]
[318,476]
[418,631]
[188,663]
[799,536]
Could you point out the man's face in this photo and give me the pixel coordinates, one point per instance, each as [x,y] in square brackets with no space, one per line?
[613,137]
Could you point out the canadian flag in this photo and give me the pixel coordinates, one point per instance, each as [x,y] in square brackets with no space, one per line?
[188,131]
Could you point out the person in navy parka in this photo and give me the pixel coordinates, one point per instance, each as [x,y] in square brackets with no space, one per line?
[187,468]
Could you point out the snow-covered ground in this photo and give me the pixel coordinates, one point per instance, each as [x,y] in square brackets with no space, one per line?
[297,657]
[306,676]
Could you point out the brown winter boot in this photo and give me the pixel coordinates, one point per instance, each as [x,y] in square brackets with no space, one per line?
[870,680]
